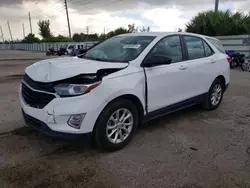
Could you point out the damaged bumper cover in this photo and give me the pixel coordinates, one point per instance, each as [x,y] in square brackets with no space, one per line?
[55,115]
[45,129]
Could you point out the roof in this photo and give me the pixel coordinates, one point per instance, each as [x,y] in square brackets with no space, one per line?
[161,34]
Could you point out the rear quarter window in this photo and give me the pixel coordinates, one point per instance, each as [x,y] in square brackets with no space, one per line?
[217,44]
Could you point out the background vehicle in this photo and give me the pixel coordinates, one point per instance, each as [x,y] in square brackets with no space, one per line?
[62,50]
[51,51]
[236,58]
[122,82]
[246,65]
[76,52]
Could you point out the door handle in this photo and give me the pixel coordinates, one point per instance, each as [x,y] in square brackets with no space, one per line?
[212,61]
[183,67]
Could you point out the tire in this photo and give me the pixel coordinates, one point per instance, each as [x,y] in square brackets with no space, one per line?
[244,66]
[47,54]
[208,104]
[105,120]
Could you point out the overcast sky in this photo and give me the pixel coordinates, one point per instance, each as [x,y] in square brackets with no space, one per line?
[160,15]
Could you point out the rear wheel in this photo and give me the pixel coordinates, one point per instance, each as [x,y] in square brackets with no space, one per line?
[116,125]
[215,95]
[244,66]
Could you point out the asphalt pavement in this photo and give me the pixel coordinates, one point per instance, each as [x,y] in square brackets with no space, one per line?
[192,148]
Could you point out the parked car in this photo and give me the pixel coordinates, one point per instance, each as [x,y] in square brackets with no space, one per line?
[79,46]
[51,51]
[123,82]
[62,50]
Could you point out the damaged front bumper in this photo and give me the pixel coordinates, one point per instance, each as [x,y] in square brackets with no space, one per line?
[53,119]
[45,129]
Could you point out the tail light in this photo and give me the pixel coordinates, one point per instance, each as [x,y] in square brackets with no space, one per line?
[228,59]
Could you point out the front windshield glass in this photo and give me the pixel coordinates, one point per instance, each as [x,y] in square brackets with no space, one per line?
[119,48]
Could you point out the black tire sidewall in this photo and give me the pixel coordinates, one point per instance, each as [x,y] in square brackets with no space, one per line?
[209,102]
[99,133]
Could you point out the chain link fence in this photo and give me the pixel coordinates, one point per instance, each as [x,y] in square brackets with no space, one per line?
[42,47]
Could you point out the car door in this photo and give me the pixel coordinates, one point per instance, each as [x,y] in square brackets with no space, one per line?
[167,84]
[200,64]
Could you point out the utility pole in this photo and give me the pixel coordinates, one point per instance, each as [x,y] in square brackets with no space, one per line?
[30,23]
[2,33]
[67,13]
[23,32]
[10,31]
[216,5]
[87,30]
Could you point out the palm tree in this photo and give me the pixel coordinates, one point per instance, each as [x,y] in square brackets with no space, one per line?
[219,23]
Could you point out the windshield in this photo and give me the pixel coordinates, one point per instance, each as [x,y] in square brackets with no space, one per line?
[119,48]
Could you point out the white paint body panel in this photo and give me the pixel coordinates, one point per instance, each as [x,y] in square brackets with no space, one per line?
[66,67]
[167,84]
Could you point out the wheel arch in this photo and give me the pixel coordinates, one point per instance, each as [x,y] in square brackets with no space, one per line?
[134,99]
[222,78]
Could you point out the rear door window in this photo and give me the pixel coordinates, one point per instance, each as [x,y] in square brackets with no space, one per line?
[195,47]
[208,50]
[217,44]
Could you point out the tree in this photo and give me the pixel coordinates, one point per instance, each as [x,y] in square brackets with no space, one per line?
[145,29]
[219,23]
[81,37]
[59,38]
[179,30]
[102,37]
[117,31]
[30,38]
[44,29]
[132,28]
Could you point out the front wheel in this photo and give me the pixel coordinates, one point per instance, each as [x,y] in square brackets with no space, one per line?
[116,125]
[215,95]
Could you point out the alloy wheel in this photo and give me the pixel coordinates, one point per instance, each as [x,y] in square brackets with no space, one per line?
[216,94]
[119,125]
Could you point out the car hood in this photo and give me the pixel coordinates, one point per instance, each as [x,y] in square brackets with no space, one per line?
[51,70]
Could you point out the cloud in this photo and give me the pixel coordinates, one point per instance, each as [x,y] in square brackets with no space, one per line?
[160,15]
[166,19]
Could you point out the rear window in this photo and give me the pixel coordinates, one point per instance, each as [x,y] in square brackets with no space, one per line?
[217,44]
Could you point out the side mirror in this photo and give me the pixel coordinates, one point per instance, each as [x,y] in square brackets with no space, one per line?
[156,60]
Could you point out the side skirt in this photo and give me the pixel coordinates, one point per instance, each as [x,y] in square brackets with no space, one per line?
[175,107]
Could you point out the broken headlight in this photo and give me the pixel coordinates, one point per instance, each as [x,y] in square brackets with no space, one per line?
[69,90]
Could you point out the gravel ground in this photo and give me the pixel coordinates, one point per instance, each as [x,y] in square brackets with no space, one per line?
[189,149]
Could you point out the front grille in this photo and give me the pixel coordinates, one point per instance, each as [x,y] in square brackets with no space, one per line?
[36,99]
[49,87]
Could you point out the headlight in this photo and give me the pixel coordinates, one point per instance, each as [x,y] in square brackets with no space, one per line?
[68,90]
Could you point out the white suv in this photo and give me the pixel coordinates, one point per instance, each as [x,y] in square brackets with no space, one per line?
[122,82]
